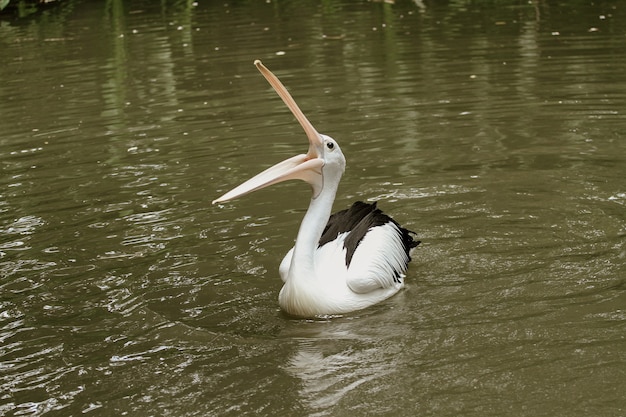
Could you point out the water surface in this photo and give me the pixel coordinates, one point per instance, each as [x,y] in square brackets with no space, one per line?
[495,131]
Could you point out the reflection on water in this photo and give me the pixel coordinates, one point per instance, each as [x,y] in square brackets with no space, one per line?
[495,131]
[333,359]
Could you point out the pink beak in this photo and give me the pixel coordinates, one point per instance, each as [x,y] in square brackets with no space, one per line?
[306,167]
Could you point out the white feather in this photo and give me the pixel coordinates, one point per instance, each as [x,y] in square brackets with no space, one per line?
[336,289]
[283,269]
[377,260]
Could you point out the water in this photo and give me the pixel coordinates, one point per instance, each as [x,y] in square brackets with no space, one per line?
[496,131]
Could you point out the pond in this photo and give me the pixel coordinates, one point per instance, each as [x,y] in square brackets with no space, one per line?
[495,130]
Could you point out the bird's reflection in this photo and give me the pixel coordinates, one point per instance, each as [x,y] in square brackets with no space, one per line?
[339,361]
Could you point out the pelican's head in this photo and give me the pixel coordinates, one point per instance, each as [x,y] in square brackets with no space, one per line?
[322,165]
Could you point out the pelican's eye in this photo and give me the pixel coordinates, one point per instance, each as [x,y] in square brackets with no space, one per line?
[330,145]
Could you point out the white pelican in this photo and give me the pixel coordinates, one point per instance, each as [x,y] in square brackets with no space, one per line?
[340,263]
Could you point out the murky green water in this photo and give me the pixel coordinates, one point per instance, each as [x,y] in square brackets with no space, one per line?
[496,130]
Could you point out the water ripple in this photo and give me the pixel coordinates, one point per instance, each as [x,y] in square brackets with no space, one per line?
[496,133]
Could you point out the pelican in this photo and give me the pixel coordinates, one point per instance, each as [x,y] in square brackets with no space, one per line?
[341,263]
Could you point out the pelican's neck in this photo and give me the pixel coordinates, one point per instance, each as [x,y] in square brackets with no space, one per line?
[311,229]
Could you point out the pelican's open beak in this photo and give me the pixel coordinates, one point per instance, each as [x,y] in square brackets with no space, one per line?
[306,167]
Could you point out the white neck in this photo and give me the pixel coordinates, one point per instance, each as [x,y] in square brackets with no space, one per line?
[311,229]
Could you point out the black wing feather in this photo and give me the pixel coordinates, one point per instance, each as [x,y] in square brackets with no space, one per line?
[358,220]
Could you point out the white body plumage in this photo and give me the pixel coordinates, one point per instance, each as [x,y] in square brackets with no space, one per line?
[336,288]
